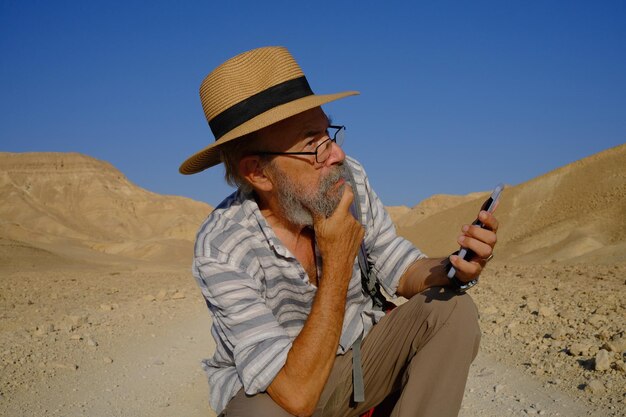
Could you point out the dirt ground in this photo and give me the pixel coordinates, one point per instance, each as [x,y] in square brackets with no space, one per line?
[127,341]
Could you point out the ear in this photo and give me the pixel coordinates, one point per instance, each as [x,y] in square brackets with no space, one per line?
[251,170]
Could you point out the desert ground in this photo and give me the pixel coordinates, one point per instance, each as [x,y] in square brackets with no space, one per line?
[100,316]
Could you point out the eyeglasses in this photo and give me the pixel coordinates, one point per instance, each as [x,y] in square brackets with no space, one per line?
[322,151]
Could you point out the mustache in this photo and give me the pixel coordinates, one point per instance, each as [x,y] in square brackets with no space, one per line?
[338,172]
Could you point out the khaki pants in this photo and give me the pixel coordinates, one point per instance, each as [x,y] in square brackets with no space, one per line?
[419,353]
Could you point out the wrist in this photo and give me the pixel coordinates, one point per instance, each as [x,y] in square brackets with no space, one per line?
[455,282]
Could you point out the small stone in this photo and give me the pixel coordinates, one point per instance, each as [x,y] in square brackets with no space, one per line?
[620,366]
[532,306]
[106,307]
[76,337]
[596,320]
[595,386]
[44,329]
[162,295]
[91,342]
[59,365]
[602,361]
[617,345]
[158,362]
[149,297]
[107,359]
[78,320]
[489,310]
[579,349]
[178,296]
[558,333]
[545,311]
[497,388]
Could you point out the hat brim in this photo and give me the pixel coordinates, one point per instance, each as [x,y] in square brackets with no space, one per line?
[209,156]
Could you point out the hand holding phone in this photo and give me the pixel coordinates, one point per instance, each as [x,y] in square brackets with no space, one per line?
[466,254]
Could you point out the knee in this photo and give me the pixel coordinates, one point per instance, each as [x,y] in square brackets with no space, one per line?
[465,319]
[458,312]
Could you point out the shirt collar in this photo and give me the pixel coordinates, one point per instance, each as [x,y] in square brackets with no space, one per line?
[252,210]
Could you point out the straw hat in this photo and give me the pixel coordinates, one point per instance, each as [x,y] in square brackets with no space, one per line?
[249,92]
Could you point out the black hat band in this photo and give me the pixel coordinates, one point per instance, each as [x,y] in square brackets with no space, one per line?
[259,103]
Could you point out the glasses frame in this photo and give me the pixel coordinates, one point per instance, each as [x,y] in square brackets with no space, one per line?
[334,139]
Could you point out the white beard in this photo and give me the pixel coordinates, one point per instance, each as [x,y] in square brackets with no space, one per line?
[299,205]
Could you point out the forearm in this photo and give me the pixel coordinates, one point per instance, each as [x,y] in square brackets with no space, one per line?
[299,384]
[426,273]
[423,274]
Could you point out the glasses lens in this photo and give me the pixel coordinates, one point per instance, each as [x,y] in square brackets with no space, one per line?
[340,135]
[323,151]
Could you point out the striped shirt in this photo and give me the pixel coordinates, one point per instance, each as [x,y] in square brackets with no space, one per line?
[259,295]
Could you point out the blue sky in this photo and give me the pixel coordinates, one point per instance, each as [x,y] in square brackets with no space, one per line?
[456,96]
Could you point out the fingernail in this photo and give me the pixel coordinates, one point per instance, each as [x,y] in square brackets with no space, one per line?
[461,239]
[465,228]
[454,258]
[483,215]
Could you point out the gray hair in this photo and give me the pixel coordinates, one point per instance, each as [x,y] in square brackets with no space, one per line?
[231,154]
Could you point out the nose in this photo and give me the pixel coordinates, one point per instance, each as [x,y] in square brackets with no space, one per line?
[337,155]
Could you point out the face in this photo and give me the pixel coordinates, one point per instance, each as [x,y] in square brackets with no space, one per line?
[302,186]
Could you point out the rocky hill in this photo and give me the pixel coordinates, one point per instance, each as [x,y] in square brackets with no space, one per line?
[57,206]
[574,214]
[64,206]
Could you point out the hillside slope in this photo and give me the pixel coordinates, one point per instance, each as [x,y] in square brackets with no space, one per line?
[573,214]
[72,204]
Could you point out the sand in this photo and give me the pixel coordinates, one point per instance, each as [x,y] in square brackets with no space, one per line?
[100,322]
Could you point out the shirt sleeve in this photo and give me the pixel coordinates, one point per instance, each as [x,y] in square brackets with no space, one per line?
[389,255]
[248,328]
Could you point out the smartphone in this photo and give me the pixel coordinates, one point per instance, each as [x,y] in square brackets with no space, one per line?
[489,205]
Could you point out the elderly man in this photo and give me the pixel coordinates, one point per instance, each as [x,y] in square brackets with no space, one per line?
[296,329]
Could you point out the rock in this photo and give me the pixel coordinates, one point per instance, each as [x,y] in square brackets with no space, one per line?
[59,365]
[44,329]
[76,337]
[106,307]
[91,342]
[78,320]
[158,362]
[149,297]
[558,333]
[579,349]
[594,386]
[620,366]
[107,359]
[489,310]
[497,388]
[532,306]
[596,320]
[545,311]
[162,295]
[617,344]
[514,330]
[178,296]
[602,361]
